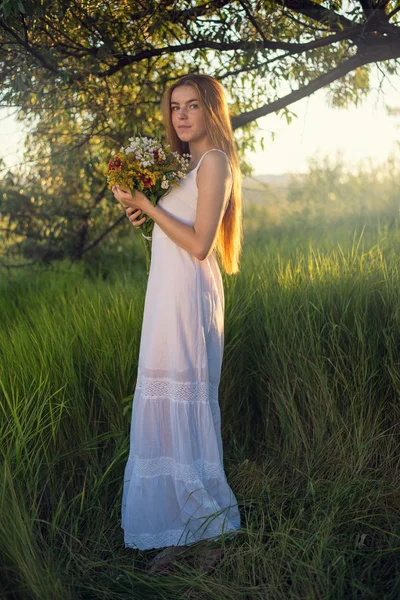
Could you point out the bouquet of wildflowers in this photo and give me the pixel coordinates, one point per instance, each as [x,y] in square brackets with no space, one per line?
[148,167]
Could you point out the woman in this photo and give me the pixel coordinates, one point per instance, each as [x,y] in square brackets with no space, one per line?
[175,489]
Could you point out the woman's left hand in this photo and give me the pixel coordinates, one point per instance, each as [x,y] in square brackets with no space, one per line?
[139,200]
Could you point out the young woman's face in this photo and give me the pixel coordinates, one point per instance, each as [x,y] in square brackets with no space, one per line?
[186,114]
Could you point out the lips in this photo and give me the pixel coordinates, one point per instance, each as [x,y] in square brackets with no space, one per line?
[184,126]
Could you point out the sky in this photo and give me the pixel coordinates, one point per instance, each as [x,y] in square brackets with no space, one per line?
[362,132]
[358,133]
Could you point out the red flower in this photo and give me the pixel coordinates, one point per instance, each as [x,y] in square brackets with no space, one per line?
[146,180]
[115,165]
[155,154]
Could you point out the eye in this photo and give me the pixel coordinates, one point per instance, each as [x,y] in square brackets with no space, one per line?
[193,104]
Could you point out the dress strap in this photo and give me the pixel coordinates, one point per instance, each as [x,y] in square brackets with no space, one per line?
[201,158]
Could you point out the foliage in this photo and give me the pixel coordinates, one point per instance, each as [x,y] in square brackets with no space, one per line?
[310,422]
[332,190]
[84,75]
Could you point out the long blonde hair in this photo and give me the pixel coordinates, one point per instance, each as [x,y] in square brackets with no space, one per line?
[229,240]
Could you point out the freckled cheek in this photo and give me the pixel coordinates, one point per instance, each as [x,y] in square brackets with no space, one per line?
[199,122]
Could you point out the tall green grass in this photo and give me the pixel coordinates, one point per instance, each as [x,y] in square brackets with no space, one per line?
[309,397]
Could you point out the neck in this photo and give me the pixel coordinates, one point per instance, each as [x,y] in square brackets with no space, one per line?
[197,151]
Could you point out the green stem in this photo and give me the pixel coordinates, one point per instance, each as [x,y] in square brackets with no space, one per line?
[146,247]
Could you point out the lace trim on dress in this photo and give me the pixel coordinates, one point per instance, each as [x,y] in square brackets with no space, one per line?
[177,391]
[171,537]
[198,470]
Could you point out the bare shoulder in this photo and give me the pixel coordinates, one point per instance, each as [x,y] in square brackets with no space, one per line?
[215,164]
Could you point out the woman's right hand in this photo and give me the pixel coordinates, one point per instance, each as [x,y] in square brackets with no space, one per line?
[133,215]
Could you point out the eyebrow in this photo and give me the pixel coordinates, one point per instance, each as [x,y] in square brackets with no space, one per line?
[191,100]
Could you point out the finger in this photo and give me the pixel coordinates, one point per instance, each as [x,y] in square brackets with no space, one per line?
[137,223]
[135,220]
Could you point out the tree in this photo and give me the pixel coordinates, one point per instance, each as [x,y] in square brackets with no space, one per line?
[84,73]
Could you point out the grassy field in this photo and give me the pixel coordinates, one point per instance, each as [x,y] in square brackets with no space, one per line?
[310,407]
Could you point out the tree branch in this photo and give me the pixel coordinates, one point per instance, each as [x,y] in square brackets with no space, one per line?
[310,88]
[103,235]
[393,12]
[331,18]
[294,48]
[319,13]
[29,48]
[252,19]
[23,233]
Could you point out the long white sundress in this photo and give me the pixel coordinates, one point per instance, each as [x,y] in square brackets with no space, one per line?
[175,490]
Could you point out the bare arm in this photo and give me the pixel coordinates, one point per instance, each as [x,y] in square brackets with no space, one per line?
[214,182]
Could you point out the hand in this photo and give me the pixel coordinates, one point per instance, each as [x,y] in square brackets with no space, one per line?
[139,200]
[133,215]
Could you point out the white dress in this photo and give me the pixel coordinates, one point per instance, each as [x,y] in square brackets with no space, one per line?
[175,490]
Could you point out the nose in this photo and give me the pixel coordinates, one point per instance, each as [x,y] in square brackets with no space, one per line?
[182,113]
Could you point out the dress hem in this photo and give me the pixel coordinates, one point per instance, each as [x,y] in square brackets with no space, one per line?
[172,538]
